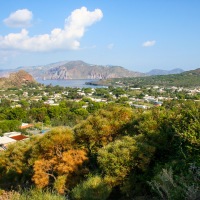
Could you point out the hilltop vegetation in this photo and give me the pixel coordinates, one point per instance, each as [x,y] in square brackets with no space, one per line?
[116,153]
[185,79]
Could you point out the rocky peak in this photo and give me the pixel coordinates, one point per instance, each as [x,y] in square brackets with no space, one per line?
[17,79]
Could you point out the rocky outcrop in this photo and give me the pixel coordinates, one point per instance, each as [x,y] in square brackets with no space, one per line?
[17,79]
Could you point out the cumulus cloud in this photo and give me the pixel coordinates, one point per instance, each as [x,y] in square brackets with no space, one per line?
[149,43]
[19,19]
[66,38]
[110,46]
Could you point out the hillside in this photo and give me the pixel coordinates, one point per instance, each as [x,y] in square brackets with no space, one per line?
[185,79]
[78,70]
[16,79]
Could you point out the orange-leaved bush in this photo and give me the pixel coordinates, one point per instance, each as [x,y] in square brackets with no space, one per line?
[58,159]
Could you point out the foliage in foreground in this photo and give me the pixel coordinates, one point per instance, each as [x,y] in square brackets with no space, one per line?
[33,194]
[129,153]
[94,188]
[169,186]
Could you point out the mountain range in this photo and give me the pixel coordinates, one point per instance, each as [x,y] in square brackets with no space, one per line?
[80,70]
[155,72]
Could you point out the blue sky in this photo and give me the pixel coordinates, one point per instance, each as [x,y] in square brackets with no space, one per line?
[139,35]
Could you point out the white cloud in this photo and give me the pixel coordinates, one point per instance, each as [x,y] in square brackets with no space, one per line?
[149,43]
[79,19]
[58,39]
[110,46]
[19,19]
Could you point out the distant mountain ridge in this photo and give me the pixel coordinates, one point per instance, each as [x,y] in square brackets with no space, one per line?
[65,70]
[78,70]
[154,72]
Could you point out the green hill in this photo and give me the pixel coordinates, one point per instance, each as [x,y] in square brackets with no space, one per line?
[185,79]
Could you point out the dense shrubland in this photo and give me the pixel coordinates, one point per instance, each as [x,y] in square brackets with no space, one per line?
[115,153]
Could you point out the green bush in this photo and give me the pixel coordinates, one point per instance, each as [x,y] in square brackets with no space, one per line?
[94,188]
[36,194]
[33,194]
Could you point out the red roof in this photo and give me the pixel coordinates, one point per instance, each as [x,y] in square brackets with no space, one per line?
[19,137]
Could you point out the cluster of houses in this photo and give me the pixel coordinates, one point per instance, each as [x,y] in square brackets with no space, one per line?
[12,137]
[55,97]
[9,138]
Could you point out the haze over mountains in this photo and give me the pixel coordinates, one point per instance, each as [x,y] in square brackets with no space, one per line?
[164,72]
[80,70]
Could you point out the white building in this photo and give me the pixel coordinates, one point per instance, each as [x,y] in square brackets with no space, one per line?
[4,141]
